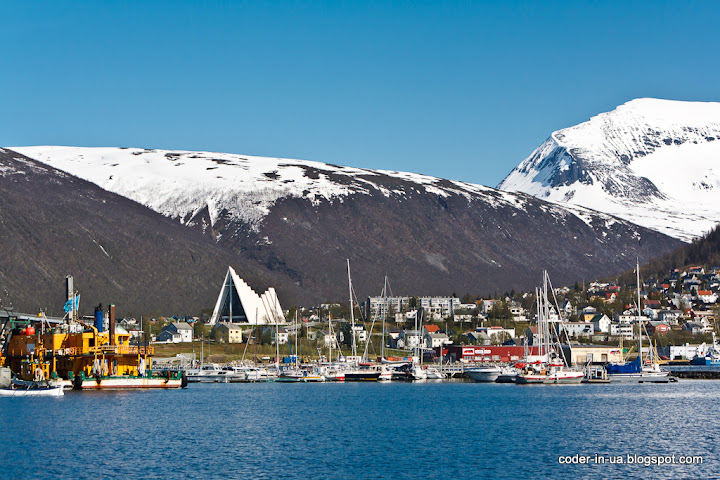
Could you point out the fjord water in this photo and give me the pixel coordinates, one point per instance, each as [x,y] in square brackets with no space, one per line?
[335,430]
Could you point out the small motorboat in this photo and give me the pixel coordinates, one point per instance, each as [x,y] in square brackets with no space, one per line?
[484,374]
[19,388]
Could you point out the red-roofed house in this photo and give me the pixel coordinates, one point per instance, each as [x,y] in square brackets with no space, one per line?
[707,296]
[431,329]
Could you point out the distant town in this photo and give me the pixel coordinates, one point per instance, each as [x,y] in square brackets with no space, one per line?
[678,313]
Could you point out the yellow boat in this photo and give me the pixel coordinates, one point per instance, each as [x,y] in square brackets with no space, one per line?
[77,355]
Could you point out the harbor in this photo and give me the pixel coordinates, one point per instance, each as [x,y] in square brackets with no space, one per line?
[401,430]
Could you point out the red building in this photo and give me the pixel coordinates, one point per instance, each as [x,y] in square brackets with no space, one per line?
[486,353]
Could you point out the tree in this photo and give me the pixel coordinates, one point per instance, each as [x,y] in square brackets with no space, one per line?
[500,338]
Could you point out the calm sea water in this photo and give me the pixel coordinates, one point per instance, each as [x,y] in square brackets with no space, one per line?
[347,431]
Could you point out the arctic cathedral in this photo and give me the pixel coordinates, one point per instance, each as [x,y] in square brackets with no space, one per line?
[238,303]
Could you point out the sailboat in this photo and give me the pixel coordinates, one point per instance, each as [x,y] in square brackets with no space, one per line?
[297,372]
[356,372]
[551,367]
[638,370]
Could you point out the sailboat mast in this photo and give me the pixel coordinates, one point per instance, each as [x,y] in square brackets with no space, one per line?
[637,269]
[384,314]
[352,314]
[330,332]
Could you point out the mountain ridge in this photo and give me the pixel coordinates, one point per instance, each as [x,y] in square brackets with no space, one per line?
[431,236]
[649,161]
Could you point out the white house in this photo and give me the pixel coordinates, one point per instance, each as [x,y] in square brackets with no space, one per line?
[707,296]
[628,317]
[671,317]
[601,323]
[360,333]
[624,330]
[518,313]
[281,335]
[437,308]
[409,339]
[383,306]
[433,340]
[579,329]
[181,333]
[407,317]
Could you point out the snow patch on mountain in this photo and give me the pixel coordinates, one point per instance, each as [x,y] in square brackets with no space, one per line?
[652,162]
[182,184]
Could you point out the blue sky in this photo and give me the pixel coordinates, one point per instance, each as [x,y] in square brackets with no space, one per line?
[461,90]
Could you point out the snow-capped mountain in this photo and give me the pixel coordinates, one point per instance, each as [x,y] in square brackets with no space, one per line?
[55,224]
[302,219]
[182,184]
[653,162]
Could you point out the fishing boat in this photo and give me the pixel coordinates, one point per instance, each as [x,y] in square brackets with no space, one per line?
[549,368]
[640,370]
[76,354]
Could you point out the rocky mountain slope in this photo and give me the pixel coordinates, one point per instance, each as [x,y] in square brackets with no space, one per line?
[53,224]
[301,220]
[652,162]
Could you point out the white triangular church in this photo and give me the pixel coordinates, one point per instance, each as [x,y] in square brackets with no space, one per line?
[238,303]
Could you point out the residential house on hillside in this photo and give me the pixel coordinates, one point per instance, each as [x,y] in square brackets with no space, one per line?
[568,309]
[438,308]
[430,329]
[623,330]
[409,339]
[707,296]
[628,317]
[176,332]
[496,334]
[408,317]
[479,338]
[658,328]
[518,313]
[601,323]
[434,340]
[578,329]
[532,335]
[281,336]
[392,334]
[694,328]
[671,317]
[325,337]
[228,332]
[588,313]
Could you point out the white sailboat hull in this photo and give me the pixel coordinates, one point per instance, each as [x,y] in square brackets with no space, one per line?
[562,377]
[639,377]
[40,392]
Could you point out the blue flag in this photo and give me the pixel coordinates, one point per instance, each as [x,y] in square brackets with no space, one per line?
[70,305]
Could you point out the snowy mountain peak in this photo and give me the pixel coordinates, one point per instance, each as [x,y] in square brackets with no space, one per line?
[653,162]
[185,184]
